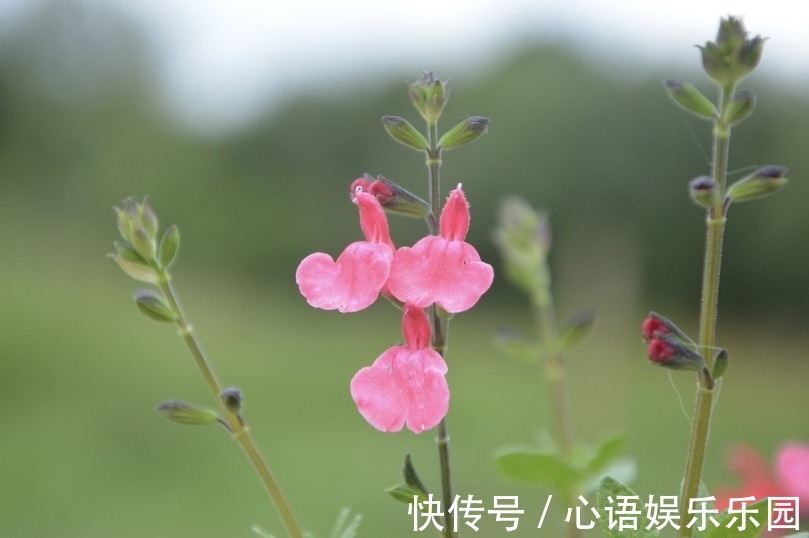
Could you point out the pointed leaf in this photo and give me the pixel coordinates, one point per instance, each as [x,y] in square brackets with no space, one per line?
[534,467]
[404,493]
[579,328]
[152,305]
[411,478]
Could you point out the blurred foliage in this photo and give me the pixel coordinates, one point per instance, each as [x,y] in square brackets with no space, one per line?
[82,126]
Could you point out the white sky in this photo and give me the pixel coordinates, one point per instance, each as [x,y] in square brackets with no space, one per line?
[222,58]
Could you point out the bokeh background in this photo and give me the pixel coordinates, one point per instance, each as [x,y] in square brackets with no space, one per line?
[251,154]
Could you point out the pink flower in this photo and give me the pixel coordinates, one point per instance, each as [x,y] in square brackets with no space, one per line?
[406,384]
[354,281]
[789,479]
[442,269]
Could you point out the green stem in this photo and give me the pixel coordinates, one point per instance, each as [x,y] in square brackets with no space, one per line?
[556,375]
[239,430]
[715,229]
[440,325]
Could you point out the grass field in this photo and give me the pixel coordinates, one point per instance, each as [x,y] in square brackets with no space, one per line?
[83,454]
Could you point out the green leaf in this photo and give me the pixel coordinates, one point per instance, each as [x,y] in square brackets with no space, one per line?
[411,478]
[578,328]
[605,454]
[404,493]
[751,530]
[609,488]
[535,467]
[687,96]
[137,270]
[403,132]
[468,130]
[169,245]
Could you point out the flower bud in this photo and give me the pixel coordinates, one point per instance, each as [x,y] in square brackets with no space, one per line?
[169,245]
[720,364]
[429,95]
[764,181]
[732,56]
[393,197]
[232,400]
[740,107]
[186,413]
[154,306]
[468,130]
[687,96]
[656,325]
[135,268]
[403,132]
[704,191]
[668,351]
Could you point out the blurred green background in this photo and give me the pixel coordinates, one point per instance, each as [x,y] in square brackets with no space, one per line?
[82,454]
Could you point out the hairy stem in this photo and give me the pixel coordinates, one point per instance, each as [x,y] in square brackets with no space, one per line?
[440,325]
[239,430]
[715,228]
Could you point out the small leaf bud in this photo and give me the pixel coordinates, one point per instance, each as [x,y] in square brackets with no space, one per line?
[403,132]
[732,56]
[169,245]
[232,400]
[148,219]
[186,413]
[740,107]
[579,328]
[688,97]
[704,191]
[467,131]
[144,243]
[154,306]
[721,364]
[764,181]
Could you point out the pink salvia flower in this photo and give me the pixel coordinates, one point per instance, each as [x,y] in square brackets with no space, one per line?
[406,384]
[792,466]
[354,281]
[442,269]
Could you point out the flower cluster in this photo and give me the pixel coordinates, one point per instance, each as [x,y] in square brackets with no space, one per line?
[406,384]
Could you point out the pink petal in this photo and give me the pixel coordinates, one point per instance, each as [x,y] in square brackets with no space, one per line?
[792,466]
[455,216]
[402,387]
[416,328]
[351,283]
[373,221]
[448,273]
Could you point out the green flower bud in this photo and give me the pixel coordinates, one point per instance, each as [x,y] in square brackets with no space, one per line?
[124,223]
[764,181]
[429,95]
[468,130]
[169,245]
[704,191]
[688,97]
[732,56]
[138,270]
[186,413]
[154,306]
[144,243]
[403,132]
[740,107]
[148,219]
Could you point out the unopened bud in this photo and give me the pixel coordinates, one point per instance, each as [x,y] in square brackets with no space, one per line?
[721,364]
[656,325]
[154,306]
[186,413]
[135,268]
[764,181]
[687,96]
[403,132]
[232,400]
[704,191]
[732,56]
[468,130]
[429,95]
[169,245]
[392,197]
[668,351]
[740,107]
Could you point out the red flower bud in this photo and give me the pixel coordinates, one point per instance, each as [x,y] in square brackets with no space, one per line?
[653,326]
[660,351]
